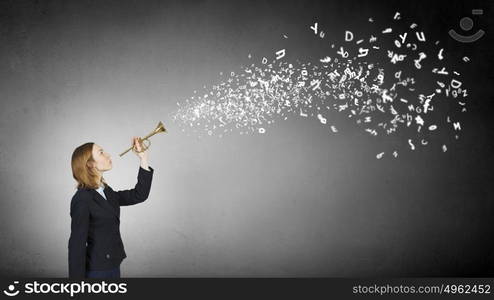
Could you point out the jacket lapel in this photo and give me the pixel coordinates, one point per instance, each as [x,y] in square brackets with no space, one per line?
[104,202]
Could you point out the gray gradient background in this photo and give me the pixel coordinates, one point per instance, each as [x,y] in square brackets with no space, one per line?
[295,201]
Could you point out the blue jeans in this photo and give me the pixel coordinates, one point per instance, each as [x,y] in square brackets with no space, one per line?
[115,273]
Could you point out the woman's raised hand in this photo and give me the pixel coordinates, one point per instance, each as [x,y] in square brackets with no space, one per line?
[138,147]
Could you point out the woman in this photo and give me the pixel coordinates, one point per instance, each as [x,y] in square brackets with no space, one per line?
[95,245]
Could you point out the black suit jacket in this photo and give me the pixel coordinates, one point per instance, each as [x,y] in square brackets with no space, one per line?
[95,242]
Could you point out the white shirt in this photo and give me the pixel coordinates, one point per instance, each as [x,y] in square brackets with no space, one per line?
[100,190]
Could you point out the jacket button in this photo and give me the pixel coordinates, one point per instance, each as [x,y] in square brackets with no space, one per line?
[108,256]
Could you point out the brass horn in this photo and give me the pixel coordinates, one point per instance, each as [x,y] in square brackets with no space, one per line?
[159,128]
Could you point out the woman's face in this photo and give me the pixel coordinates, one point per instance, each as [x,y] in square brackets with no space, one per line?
[102,159]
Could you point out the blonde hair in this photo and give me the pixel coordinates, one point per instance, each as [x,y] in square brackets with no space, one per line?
[82,170]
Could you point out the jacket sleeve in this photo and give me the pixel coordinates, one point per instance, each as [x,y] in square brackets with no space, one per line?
[141,190]
[79,212]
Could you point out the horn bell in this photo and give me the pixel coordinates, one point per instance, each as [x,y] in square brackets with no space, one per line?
[160,128]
